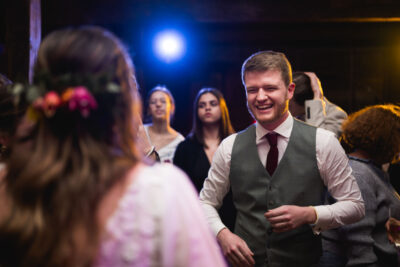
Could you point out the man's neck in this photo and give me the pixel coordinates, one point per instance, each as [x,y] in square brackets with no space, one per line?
[273,125]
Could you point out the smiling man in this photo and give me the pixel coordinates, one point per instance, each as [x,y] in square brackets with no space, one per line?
[279,170]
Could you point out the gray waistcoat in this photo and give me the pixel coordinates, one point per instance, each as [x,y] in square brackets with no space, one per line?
[296,181]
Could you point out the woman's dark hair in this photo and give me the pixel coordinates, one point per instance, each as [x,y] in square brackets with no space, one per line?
[7,106]
[55,187]
[374,130]
[225,126]
[303,90]
[11,111]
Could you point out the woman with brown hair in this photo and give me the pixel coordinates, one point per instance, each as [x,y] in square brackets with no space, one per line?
[79,193]
[211,124]
[371,137]
[161,108]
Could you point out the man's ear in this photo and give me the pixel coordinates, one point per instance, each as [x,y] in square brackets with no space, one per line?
[291,89]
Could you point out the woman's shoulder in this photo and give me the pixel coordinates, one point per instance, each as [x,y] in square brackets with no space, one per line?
[133,231]
[159,207]
[178,139]
[190,143]
[367,175]
[162,176]
[360,166]
[180,136]
[149,189]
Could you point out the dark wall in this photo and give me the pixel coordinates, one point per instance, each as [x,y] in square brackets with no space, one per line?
[352,45]
[357,63]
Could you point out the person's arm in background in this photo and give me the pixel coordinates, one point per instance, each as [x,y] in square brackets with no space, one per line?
[144,142]
[320,112]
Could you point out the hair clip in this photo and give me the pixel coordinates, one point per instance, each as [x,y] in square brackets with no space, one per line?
[75,98]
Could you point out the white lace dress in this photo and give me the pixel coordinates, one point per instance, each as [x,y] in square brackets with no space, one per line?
[159,222]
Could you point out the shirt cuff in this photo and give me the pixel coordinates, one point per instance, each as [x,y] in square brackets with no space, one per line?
[323,219]
[216,227]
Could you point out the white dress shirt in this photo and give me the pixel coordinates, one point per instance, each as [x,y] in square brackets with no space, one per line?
[332,164]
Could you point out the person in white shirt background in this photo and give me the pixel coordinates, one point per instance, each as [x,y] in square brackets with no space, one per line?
[310,105]
[280,212]
[161,108]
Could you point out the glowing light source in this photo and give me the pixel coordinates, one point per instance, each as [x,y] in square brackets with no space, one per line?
[169,45]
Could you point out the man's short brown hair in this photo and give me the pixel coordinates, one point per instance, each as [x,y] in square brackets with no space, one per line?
[268,60]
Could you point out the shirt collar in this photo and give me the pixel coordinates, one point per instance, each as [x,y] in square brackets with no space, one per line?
[284,129]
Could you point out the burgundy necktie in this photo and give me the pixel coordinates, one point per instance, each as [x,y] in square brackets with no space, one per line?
[272,158]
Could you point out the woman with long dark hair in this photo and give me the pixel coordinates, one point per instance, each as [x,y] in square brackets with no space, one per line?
[77,190]
[211,124]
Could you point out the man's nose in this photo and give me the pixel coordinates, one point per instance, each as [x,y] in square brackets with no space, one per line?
[261,95]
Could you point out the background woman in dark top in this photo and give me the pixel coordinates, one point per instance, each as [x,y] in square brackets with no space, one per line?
[211,124]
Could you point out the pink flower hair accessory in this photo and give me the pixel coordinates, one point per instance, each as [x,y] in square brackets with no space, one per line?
[80,99]
[48,104]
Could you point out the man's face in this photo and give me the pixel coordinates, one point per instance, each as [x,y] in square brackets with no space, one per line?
[268,97]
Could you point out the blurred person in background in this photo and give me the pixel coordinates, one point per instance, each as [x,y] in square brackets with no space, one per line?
[371,138]
[161,108]
[211,124]
[310,105]
[80,193]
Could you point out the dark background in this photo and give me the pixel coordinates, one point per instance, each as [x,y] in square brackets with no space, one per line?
[352,45]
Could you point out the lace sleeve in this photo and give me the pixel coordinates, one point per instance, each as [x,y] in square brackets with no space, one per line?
[159,223]
[186,238]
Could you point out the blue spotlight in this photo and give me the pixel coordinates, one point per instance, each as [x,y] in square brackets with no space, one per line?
[169,45]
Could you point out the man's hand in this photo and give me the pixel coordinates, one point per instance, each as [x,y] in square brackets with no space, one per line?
[395,224]
[315,85]
[235,249]
[288,217]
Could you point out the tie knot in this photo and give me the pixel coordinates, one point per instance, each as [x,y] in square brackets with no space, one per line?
[272,138]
